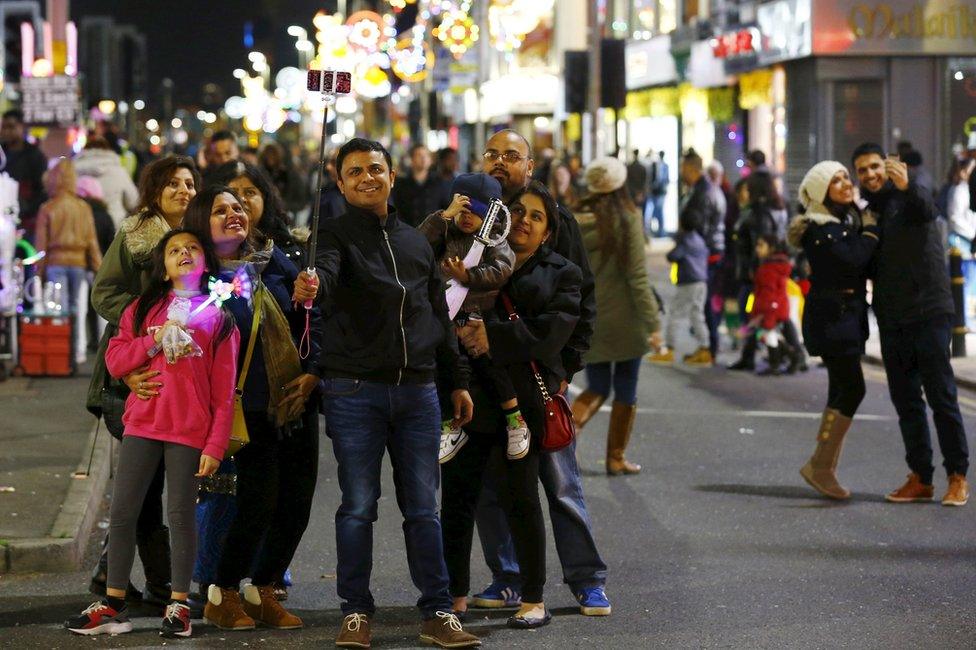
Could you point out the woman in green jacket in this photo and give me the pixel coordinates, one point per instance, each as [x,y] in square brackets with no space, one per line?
[627,319]
[165,189]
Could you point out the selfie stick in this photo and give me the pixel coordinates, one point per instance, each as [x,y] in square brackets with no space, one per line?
[330,84]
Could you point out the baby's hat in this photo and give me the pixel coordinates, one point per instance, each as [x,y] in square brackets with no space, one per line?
[482,189]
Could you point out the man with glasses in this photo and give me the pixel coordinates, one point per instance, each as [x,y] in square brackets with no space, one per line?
[508,158]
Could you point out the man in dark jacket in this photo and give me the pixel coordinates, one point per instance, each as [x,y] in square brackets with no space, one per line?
[913,303]
[417,193]
[26,164]
[508,158]
[386,333]
[704,204]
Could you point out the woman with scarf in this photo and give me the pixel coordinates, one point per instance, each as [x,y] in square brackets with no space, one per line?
[165,189]
[273,492]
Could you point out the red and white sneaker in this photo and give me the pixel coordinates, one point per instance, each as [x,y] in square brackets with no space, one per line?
[176,621]
[99,618]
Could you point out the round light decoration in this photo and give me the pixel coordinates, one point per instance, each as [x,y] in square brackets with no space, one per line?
[400,5]
[509,21]
[371,81]
[366,30]
[457,32]
[412,61]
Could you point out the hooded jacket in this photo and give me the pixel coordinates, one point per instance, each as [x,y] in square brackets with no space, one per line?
[385,316]
[484,279]
[706,203]
[835,312]
[911,277]
[769,289]
[119,191]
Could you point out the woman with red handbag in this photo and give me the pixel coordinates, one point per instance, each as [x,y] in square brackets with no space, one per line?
[532,322]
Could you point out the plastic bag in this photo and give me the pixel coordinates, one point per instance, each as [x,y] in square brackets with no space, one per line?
[177,342]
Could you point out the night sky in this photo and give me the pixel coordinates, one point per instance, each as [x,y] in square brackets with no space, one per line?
[195,42]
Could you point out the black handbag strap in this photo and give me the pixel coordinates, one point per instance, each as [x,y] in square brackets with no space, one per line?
[513,316]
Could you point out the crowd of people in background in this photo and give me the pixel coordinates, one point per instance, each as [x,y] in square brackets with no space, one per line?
[455,386]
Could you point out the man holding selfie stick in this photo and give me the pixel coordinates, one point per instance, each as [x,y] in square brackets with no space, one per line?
[913,304]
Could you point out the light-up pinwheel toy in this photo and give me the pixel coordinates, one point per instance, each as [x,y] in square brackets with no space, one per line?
[222,290]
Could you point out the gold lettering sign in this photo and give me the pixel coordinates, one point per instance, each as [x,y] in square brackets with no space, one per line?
[881,21]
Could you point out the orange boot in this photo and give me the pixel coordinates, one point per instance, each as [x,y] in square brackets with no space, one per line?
[621,424]
[585,407]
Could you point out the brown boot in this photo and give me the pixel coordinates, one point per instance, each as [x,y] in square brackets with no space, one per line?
[225,611]
[585,406]
[820,470]
[261,605]
[621,424]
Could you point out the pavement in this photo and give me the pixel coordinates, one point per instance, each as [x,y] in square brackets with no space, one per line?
[717,544]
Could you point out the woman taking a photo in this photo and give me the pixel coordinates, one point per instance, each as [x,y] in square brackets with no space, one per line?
[273,491]
[165,189]
[626,310]
[545,293]
[838,239]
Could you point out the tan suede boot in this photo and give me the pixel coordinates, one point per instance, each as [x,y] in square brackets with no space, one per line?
[585,406]
[820,470]
[621,424]
[224,610]
[261,605]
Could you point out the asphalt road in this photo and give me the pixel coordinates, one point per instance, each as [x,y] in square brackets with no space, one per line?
[717,544]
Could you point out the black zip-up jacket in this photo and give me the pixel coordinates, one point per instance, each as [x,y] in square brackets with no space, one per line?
[384,310]
[569,243]
[911,277]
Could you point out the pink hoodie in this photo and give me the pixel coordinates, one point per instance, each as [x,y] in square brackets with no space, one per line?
[195,406]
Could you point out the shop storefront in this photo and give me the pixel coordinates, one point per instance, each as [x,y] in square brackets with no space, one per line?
[859,70]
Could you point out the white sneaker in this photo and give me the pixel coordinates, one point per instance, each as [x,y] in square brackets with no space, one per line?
[518,440]
[451,442]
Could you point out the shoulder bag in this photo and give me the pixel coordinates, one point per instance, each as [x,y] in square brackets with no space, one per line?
[559,431]
[238,433]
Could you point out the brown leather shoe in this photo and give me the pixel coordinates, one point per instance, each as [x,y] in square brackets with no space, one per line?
[225,611]
[618,437]
[445,630]
[912,491]
[261,605]
[958,492]
[354,632]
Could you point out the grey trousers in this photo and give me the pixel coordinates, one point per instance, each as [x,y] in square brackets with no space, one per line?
[137,465]
[688,302]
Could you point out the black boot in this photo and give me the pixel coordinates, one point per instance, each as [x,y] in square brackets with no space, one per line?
[775,361]
[155,556]
[798,362]
[748,359]
[100,577]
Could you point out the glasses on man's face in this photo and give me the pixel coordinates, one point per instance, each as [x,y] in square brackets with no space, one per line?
[508,156]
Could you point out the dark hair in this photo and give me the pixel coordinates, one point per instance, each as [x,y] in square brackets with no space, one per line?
[98,142]
[223,134]
[274,220]
[14,113]
[155,177]
[865,149]
[416,146]
[956,167]
[360,144]
[771,240]
[688,221]
[912,158]
[536,188]
[197,217]
[442,154]
[762,191]
[692,158]
[756,157]
[159,287]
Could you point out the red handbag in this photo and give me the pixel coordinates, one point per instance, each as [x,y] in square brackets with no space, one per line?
[559,430]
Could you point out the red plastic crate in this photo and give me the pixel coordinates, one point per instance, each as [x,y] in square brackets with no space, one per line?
[45,346]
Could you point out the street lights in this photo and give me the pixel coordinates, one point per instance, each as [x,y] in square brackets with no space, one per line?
[304,46]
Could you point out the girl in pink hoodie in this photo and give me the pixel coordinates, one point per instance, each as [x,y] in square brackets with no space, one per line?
[186,425]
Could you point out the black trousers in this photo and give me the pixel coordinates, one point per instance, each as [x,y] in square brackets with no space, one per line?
[275,485]
[916,357]
[461,480]
[493,378]
[845,383]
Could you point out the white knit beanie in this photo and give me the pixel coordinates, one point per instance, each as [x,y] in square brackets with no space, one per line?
[813,189]
[605,175]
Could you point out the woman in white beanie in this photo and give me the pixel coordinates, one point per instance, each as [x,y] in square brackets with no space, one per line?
[838,239]
[626,310]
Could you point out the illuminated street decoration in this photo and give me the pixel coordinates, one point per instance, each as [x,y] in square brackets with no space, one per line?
[510,21]
[457,32]
[366,31]
[412,60]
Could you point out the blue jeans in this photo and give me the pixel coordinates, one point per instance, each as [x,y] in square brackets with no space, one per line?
[581,562]
[364,419]
[657,214]
[70,279]
[621,375]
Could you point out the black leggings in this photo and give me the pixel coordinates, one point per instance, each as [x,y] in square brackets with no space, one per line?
[519,496]
[275,486]
[845,383]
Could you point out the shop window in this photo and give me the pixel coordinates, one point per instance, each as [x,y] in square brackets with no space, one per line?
[858,115]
